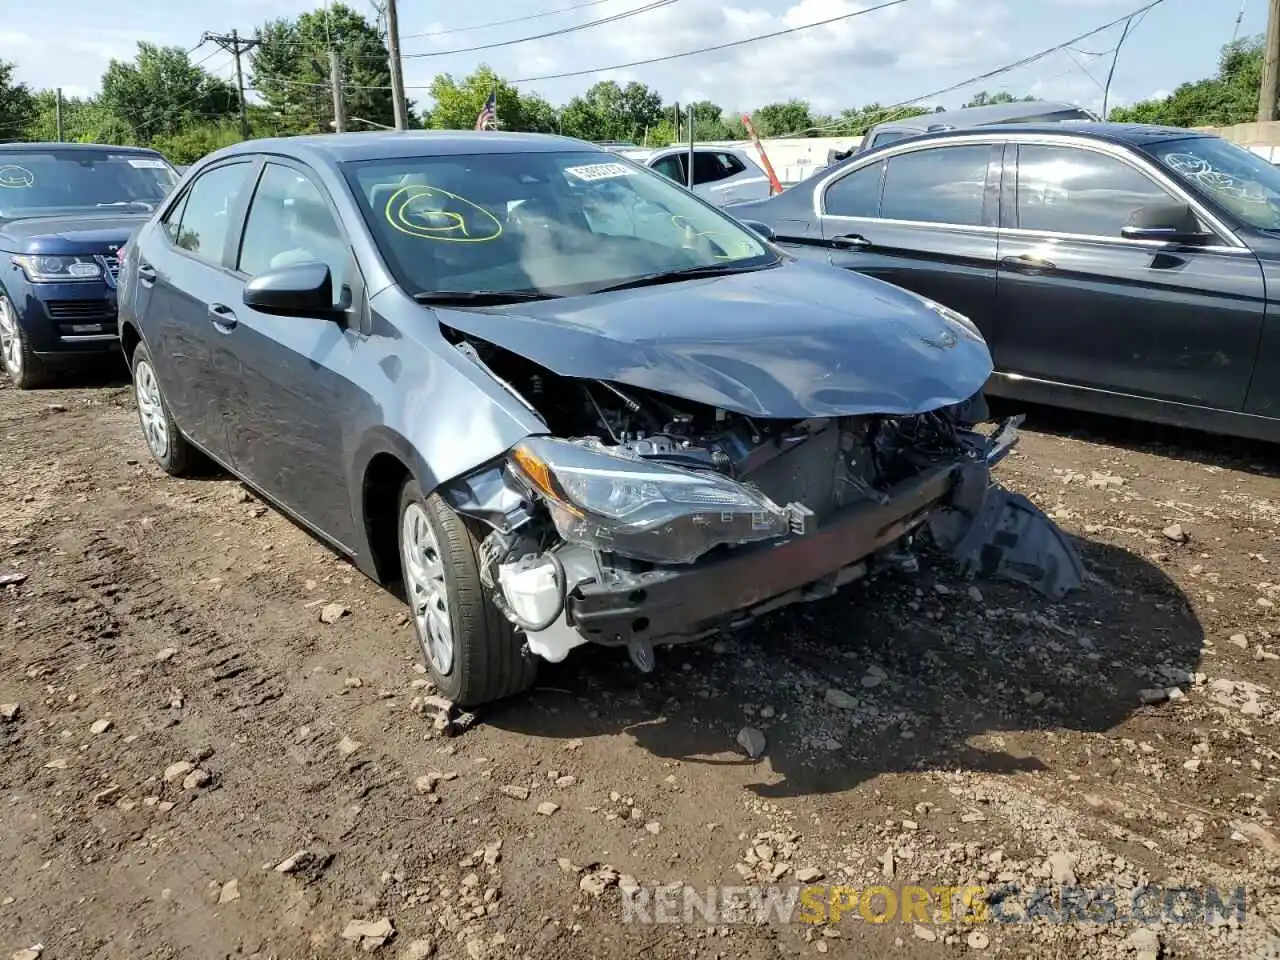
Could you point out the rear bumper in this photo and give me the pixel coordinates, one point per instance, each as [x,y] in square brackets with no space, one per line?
[623,608]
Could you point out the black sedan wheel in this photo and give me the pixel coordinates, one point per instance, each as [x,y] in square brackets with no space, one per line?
[24,367]
[471,650]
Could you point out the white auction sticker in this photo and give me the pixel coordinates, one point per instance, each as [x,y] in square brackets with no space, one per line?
[146,164]
[600,171]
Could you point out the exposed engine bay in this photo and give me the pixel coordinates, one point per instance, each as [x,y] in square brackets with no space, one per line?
[825,464]
[606,529]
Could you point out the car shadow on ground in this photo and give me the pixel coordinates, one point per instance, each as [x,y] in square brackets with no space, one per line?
[924,671]
[1176,443]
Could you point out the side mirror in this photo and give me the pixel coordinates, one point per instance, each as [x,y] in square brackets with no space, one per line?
[298,289]
[1166,222]
[763,229]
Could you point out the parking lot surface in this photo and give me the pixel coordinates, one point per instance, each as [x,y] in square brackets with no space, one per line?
[195,691]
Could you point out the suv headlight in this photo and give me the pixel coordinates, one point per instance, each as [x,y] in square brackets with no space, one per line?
[639,508]
[956,319]
[58,269]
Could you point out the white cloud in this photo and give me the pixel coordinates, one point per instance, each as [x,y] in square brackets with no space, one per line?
[821,64]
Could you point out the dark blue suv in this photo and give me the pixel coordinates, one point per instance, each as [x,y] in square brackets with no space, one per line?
[66,209]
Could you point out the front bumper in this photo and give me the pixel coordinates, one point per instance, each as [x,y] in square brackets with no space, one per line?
[988,530]
[66,320]
[669,603]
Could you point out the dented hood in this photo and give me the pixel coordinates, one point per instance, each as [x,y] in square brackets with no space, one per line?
[793,341]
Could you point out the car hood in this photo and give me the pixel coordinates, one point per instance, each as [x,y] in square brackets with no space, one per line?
[794,341]
[85,234]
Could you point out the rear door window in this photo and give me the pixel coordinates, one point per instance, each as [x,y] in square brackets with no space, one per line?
[937,185]
[672,168]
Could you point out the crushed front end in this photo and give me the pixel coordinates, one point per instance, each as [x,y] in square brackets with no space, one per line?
[648,520]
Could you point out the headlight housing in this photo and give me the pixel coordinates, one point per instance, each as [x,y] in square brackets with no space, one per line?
[966,326]
[639,508]
[42,268]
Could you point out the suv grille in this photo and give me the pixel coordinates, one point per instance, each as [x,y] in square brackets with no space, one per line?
[113,266]
[79,318]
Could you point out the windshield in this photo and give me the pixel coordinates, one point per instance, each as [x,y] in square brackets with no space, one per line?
[549,223]
[1236,179]
[39,183]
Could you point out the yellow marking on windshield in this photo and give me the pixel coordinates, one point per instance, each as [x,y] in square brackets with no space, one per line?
[14,177]
[473,224]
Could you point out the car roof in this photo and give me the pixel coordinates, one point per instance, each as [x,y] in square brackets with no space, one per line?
[47,146]
[1128,134]
[390,144]
[980,116]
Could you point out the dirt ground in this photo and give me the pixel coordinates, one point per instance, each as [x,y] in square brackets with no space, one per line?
[178,723]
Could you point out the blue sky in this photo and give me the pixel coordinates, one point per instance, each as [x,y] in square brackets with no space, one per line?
[889,56]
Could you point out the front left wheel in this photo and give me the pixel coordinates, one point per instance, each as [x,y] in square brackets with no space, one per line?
[168,446]
[470,648]
[20,362]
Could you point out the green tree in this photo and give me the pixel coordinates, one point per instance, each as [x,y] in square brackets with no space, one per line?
[984,99]
[458,103]
[161,92]
[792,118]
[17,104]
[1219,101]
[608,111]
[290,69]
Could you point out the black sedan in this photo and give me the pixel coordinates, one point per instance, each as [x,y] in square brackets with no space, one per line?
[1123,269]
[557,397]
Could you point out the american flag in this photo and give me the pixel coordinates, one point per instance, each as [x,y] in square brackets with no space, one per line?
[488,119]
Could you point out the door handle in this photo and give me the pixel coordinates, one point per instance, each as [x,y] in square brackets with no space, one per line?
[1027,262]
[850,241]
[224,319]
[146,274]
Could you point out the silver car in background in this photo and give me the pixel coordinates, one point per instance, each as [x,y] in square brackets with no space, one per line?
[721,175]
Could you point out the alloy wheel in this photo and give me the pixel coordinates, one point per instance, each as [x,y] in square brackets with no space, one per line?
[10,339]
[425,587]
[155,427]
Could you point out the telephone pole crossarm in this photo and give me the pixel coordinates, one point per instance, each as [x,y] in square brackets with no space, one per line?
[237,46]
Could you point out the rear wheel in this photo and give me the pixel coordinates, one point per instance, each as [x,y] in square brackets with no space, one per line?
[168,446]
[23,366]
[470,648]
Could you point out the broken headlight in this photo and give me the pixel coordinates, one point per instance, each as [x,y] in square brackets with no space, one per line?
[642,509]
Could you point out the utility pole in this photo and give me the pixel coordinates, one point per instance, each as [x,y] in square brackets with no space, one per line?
[57,112]
[237,47]
[691,152]
[397,73]
[1271,65]
[339,102]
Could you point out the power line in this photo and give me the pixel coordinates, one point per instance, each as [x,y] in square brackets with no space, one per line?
[712,49]
[503,23]
[575,28]
[620,66]
[1025,61]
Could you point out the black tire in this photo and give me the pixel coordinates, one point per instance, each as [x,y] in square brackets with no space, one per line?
[488,663]
[30,371]
[178,458]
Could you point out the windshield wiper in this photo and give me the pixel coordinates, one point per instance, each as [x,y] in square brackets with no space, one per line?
[127,203]
[479,298]
[688,273]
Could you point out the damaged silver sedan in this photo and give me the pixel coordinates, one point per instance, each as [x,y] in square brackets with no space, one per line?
[558,398]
